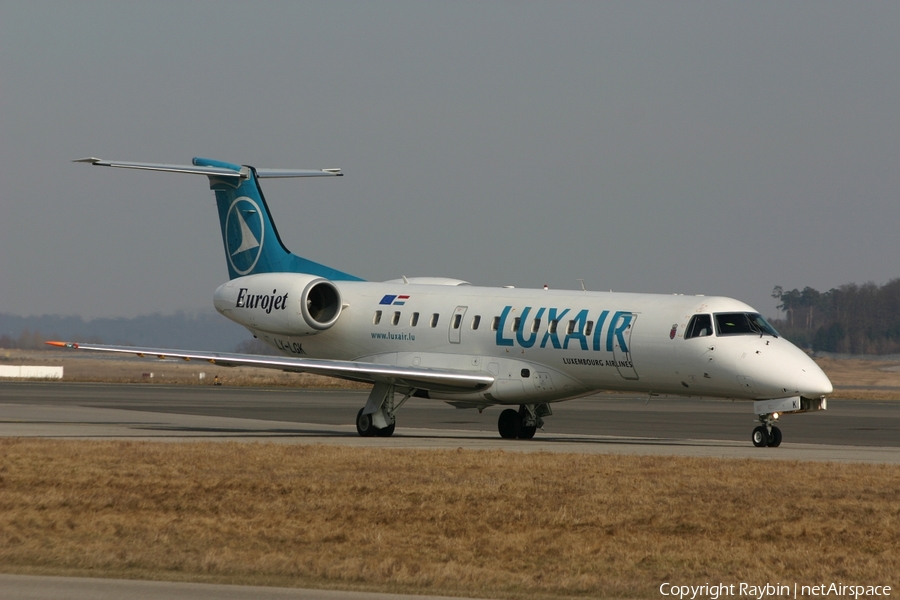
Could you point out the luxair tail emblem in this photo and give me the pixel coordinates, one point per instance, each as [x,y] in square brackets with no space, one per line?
[244,234]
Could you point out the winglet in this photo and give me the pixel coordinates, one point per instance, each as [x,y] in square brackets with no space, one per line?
[62,344]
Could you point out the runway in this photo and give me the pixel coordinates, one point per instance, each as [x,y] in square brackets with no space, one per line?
[30,587]
[851,430]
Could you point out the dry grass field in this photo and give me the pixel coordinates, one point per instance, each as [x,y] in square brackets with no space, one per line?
[491,524]
[863,378]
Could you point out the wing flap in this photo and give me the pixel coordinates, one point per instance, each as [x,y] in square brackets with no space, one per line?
[438,380]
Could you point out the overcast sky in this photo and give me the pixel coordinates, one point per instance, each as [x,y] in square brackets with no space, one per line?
[691,147]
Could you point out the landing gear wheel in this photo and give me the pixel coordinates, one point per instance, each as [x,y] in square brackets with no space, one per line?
[509,424]
[760,437]
[527,432]
[386,431]
[364,426]
[775,438]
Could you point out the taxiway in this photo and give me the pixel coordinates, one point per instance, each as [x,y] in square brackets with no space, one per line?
[851,430]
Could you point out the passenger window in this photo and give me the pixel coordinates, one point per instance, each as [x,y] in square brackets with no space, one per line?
[434,319]
[377,319]
[552,326]
[495,324]
[571,328]
[456,320]
[535,325]
[396,318]
[588,328]
[516,322]
[699,326]
[414,319]
[476,321]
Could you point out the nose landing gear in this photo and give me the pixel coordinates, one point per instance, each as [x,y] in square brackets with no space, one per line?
[768,412]
[767,434]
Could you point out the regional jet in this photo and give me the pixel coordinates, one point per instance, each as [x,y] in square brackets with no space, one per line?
[477,347]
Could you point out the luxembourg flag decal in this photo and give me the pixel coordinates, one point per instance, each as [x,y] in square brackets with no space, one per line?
[394,300]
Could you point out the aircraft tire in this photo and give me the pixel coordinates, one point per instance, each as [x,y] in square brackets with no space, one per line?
[760,437]
[386,431]
[364,425]
[526,432]
[509,424]
[775,438]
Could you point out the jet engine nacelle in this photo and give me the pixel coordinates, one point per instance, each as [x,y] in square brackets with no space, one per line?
[284,303]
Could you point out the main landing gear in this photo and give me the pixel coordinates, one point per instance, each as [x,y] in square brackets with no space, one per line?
[767,434]
[523,423]
[377,418]
[366,428]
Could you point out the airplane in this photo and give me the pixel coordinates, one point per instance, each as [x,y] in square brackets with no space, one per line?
[478,347]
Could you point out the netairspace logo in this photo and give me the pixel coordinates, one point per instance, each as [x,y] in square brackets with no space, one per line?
[715,591]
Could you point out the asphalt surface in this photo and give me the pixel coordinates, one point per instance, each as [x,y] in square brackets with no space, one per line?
[28,587]
[331,414]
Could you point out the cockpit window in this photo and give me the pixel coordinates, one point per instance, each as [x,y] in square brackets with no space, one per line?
[700,326]
[743,324]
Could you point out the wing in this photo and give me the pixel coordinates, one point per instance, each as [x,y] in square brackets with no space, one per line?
[437,380]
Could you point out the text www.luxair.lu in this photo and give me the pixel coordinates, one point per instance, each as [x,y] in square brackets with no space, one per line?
[404,337]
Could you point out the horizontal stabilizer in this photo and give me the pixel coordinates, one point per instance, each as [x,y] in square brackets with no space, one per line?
[212,168]
[192,169]
[275,173]
[438,380]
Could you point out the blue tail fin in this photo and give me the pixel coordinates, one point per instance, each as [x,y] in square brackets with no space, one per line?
[251,241]
[252,244]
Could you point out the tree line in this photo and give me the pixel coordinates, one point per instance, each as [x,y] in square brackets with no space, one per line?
[850,319]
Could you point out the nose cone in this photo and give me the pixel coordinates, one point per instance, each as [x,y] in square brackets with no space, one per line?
[813,382]
[780,369]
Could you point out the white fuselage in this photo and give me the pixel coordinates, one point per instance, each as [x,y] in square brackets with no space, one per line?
[540,345]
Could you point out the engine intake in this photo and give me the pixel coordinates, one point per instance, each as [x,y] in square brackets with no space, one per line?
[320,304]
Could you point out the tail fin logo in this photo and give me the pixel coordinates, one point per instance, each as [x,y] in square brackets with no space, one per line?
[244,234]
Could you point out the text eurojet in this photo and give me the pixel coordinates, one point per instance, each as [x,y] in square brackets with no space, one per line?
[266,302]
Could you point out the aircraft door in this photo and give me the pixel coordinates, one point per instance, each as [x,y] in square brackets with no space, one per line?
[620,330]
[456,323]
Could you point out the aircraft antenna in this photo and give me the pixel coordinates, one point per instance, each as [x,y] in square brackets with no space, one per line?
[583,289]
